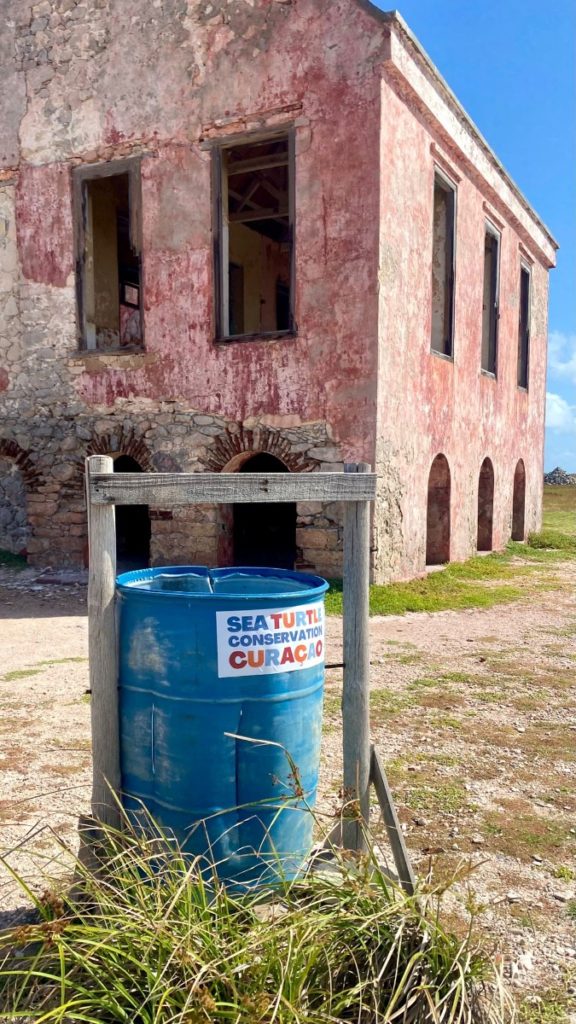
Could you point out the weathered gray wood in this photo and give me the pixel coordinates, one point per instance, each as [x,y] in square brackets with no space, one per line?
[355,694]
[163,490]
[395,837]
[102,651]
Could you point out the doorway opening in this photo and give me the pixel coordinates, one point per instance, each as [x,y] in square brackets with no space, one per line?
[132,525]
[485,506]
[519,502]
[438,513]
[264,534]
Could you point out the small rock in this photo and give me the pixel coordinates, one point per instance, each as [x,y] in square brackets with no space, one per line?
[420,821]
[519,728]
[477,840]
[537,859]
[562,897]
[513,897]
[526,961]
[411,768]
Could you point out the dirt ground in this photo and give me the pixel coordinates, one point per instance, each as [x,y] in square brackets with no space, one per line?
[474,713]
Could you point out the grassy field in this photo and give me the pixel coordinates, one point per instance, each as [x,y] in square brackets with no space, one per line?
[560,509]
[484,581]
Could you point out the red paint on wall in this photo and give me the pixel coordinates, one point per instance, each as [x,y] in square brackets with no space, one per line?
[44,223]
[328,371]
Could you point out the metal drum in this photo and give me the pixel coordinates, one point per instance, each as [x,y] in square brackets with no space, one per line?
[221,676]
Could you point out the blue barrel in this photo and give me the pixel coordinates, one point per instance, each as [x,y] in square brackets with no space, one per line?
[221,676]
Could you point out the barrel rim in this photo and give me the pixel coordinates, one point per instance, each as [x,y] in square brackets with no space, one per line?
[316,585]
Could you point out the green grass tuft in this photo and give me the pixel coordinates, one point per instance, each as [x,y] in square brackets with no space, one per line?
[151,939]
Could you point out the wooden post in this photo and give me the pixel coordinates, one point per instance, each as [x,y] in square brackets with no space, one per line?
[102,650]
[355,695]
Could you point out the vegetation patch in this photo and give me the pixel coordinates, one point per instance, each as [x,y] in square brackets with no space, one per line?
[20,673]
[549,1007]
[519,833]
[443,797]
[481,582]
[62,661]
[152,939]
[12,561]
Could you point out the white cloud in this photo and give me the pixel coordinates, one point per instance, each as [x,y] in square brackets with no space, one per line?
[562,355]
[560,415]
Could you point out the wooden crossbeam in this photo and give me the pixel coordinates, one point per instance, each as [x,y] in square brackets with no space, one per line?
[246,216]
[257,163]
[162,490]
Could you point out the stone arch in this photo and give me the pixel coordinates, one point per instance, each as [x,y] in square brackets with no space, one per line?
[519,502]
[485,506]
[438,512]
[21,458]
[18,479]
[125,444]
[120,442]
[234,447]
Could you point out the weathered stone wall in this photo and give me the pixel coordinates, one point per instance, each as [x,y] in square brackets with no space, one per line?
[162,437]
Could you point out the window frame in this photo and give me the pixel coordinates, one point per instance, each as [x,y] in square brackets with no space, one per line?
[220,255]
[523,378]
[131,166]
[450,186]
[493,339]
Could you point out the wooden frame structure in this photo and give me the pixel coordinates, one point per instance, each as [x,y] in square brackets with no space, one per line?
[356,488]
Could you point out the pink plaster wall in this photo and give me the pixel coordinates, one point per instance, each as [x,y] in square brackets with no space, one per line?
[316,60]
[428,404]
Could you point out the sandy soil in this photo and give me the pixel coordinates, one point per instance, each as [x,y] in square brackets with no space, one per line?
[474,713]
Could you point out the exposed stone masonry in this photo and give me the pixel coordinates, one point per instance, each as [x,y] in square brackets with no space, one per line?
[162,437]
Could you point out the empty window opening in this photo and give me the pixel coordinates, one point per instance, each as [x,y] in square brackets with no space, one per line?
[108,264]
[485,506]
[443,252]
[519,502]
[490,299]
[132,525]
[254,224]
[265,534]
[438,513]
[524,328]
[14,527]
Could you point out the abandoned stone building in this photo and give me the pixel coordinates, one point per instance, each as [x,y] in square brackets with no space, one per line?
[264,235]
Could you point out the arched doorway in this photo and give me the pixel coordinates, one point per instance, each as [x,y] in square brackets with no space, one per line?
[14,526]
[519,501]
[485,506]
[132,525]
[264,534]
[438,513]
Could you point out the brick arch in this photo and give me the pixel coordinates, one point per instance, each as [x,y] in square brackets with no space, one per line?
[30,474]
[126,444]
[231,446]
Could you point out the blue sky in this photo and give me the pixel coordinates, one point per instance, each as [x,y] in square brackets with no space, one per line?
[511,64]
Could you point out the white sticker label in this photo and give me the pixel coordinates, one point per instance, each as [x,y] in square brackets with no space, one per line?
[264,641]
